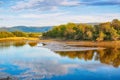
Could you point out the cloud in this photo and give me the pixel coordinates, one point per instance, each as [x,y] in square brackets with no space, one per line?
[3,74]
[100,2]
[43,4]
[1,19]
[104,3]
[38,69]
[51,19]
[38,16]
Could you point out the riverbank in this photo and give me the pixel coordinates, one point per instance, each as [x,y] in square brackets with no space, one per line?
[107,44]
[18,39]
[103,44]
[58,47]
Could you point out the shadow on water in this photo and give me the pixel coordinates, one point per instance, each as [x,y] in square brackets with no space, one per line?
[106,56]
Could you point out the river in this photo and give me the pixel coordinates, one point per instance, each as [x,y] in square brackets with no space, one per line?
[32,61]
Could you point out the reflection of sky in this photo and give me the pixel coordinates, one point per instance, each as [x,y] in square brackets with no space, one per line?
[29,63]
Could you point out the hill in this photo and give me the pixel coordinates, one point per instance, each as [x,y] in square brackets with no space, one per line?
[27,28]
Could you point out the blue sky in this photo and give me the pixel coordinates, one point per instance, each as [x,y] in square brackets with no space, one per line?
[55,12]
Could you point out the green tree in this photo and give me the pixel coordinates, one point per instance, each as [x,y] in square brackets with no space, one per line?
[5,34]
[20,34]
[103,31]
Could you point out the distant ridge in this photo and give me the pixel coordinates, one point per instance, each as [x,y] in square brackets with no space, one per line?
[34,29]
[27,28]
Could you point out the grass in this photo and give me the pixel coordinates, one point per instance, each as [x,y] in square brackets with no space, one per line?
[108,44]
[18,39]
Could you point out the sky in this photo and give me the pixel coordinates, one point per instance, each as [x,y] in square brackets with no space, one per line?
[55,12]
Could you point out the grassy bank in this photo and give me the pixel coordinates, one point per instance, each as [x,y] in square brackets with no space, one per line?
[18,39]
[108,44]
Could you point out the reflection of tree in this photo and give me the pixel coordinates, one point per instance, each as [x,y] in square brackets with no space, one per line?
[107,56]
[19,44]
[87,55]
[32,44]
[8,44]
[5,45]
[110,56]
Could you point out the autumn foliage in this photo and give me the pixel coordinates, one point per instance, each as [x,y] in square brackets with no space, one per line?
[72,31]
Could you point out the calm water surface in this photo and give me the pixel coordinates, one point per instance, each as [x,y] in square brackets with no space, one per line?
[30,61]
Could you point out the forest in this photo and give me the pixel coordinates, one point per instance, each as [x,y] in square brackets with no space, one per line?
[6,34]
[72,31]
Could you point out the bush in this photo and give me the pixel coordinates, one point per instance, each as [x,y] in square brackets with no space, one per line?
[5,34]
[20,34]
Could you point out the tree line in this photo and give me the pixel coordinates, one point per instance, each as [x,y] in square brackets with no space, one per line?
[72,31]
[6,34]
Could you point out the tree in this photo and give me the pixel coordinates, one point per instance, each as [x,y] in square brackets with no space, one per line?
[89,35]
[116,25]
[20,34]
[101,36]
[5,34]
[114,35]
[103,31]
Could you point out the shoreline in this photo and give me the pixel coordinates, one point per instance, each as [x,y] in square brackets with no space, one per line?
[58,47]
[18,39]
[104,44]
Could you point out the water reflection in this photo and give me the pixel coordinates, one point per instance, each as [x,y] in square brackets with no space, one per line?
[33,43]
[17,44]
[106,56]
[4,45]
[24,61]
[86,55]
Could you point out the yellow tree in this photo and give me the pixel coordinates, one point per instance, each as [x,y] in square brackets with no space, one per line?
[101,36]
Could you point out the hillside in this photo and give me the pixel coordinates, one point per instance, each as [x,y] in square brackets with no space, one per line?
[27,29]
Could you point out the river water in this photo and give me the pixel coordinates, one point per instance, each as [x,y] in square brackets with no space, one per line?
[31,61]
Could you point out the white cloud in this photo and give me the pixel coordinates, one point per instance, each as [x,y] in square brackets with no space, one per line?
[70,3]
[37,16]
[43,4]
[51,19]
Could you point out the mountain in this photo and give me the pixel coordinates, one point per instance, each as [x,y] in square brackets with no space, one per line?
[34,29]
[27,29]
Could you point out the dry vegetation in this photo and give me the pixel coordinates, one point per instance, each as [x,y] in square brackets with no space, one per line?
[18,39]
[108,44]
